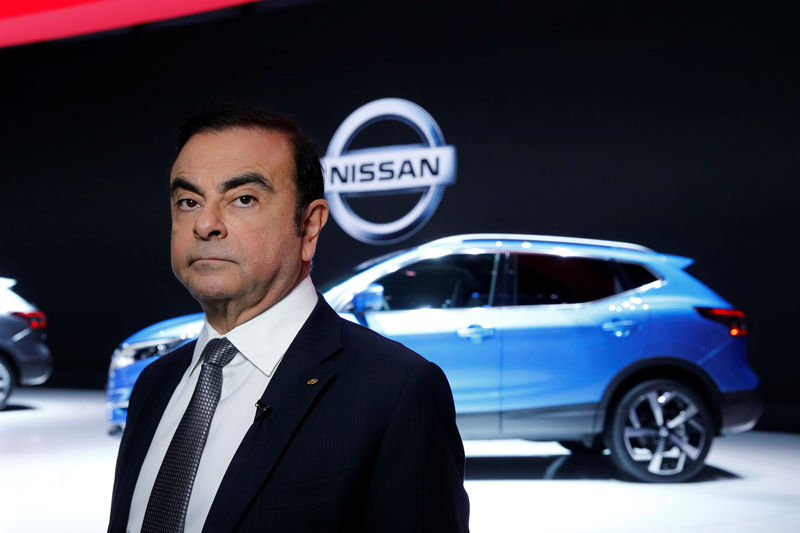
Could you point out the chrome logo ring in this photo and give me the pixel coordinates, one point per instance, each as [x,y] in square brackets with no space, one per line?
[428,167]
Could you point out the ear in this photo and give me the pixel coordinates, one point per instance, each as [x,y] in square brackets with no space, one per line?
[314,219]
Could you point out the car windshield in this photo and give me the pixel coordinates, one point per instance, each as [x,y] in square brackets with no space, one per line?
[329,284]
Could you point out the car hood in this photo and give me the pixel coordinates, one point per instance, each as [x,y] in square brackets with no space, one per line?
[186,326]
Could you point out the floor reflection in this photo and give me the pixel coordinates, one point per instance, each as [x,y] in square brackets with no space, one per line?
[17,407]
[562,467]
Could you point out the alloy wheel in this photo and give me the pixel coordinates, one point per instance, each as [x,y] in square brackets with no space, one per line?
[662,431]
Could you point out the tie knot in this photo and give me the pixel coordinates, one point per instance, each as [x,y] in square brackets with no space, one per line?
[219,352]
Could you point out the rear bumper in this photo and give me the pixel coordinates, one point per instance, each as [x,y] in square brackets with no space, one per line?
[740,411]
[33,360]
[35,373]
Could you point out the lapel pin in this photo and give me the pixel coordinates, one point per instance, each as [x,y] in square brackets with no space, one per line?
[263,410]
[312,381]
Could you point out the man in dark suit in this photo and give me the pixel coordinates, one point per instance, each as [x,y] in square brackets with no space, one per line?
[282,416]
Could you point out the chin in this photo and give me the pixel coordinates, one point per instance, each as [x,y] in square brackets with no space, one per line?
[211,289]
[211,295]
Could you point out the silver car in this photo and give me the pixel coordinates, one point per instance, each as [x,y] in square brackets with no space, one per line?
[24,357]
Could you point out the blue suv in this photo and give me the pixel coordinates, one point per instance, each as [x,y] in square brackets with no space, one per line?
[595,344]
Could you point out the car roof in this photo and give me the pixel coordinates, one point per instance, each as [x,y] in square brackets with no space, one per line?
[478,237]
[624,251]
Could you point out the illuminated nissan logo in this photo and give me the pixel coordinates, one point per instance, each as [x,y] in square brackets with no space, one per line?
[427,167]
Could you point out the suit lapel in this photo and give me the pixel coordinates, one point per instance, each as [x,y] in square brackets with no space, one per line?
[152,399]
[302,376]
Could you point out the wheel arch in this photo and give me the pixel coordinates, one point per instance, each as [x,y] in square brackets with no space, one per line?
[8,362]
[8,359]
[661,367]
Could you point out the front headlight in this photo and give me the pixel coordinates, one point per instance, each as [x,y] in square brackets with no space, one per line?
[127,354]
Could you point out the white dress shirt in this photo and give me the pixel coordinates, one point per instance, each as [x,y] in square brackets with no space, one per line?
[261,342]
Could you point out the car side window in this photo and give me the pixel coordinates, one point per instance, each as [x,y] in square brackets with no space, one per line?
[637,274]
[453,281]
[552,279]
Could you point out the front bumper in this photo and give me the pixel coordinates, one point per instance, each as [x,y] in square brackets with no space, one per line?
[121,380]
[740,411]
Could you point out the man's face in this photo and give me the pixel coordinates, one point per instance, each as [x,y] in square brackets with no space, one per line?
[233,207]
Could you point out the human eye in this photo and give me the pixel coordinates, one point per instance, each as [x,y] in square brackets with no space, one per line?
[186,204]
[245,200]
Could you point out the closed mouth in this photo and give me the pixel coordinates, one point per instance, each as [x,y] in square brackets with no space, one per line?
[209,259]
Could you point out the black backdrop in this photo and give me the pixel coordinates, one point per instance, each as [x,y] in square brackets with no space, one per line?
[675,127]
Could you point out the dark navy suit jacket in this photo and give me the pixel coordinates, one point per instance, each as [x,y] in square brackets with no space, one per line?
[370,446]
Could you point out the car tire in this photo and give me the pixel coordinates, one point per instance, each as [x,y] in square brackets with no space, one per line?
[6,382]
[660,431]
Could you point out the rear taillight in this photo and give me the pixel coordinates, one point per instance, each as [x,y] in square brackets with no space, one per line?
[733,319]
[36,319]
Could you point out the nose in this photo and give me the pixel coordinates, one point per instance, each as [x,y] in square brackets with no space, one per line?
[209,224]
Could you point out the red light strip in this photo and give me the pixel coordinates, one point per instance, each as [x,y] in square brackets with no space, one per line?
[728,312]
[23,22]
[36,319]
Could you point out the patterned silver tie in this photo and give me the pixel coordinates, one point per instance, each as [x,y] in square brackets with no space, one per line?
[169,500]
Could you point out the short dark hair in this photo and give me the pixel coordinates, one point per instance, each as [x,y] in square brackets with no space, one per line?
[307,168]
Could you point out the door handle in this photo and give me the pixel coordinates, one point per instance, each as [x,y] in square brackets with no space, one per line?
[475,333]
[619,328]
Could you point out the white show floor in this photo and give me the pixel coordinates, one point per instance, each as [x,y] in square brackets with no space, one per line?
[57,467]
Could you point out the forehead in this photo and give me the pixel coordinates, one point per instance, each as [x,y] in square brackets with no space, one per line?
[225,153]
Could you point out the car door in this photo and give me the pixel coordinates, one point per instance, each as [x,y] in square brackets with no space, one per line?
[568,329]
[442,308]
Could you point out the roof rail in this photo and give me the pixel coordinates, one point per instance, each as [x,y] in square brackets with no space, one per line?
[537,238]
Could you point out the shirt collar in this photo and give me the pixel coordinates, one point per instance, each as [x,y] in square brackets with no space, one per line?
[264,339]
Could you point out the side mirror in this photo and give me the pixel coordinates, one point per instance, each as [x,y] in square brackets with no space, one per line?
[370,299]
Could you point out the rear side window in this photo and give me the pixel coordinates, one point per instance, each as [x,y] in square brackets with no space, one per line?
[442,283]
[549,279]
[637,275]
